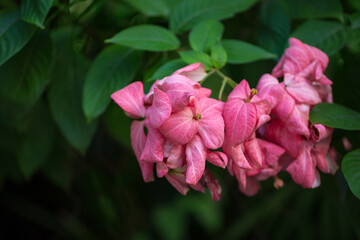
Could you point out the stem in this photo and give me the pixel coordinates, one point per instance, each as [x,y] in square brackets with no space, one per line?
[222,88]
[207,76]
[231,82]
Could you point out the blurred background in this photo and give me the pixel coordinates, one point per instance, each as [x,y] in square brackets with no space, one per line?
[64,175]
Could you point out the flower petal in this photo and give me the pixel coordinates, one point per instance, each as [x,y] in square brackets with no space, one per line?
[195,158]
[176,157]
[180,127]
[240,120]
[211,130]
[254,152]
[161,108]
[217,158]
[302,170]
[209,106]
[131,99]
[269,89]
[195,72]
[153,151]
[252,187]
[301,90]
[299,119]
[179,88]
[178,182]
[213,185]
[285,107]
[272,152]
[277,132]
[241,91]
[161,169]
[138,139]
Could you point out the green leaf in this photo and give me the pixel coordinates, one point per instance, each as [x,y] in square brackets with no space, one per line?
[335,116]
[65,90]
[205,34]
[274,30]
[14,34]
[146,37]
[239,52]
[330,37]
[35,11]
[194,57]
[37,142]
[112,70]
[189,12]
[351,168]
[24,76]
[151,8]
[118,124]
[310,9]
[167,69]
[218,55]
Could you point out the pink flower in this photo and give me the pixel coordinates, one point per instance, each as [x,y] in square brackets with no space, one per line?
[304,60]
[131,100]
[243,114]
[201,117]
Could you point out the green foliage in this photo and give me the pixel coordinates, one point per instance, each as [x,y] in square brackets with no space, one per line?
[205,34]
[275,26]
[118,125]
[36,142]
[218,55]
[187,13]
[328,36]
[151,8]
[26,86]
[351,169]
[35,12]
[309,9]
[239,52]
[167,69]
[113,69]
[55,88]
[336,116]
[146,37]
[65,91]
[195,56]
[14,34]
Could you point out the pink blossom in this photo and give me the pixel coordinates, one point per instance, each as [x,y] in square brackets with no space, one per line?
[304,60]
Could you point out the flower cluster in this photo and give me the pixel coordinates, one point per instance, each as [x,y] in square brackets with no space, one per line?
[255,134]
[184,128]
